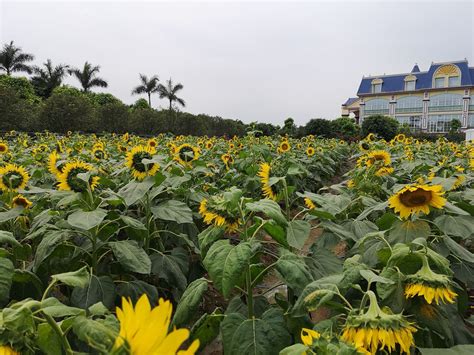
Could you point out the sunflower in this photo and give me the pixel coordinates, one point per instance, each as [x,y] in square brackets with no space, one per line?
[376,330]
[69,181]
[227,159]
[308,335]
[364,146]
[134,161]
[98,153]
[3,148]
[284,146]
[430,285]
[310,151]
[378,156]
[6,350]
[209,144]
[413,199]
[186,153]
[152,143]
[53,166]
[384,171]
[309,204]
[267,189]
[216,218]
[13,177]
[144,330]
[21,201]
[370,137]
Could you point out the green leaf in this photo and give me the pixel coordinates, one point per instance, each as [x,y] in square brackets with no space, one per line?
[235,265]
[213,261]
[167,268]
[52,307]
[457,226]
[458,250]
[86,219]
[10,214]
[6,275]
[206,328]
[134,191]
[94,333]
[392,294]
[322,262]
[297,233]
[48,340]
[276,232]
[98,309]
[407,231]
[189,302]
[467,349]
[7,237]
[131,256]
[135,289]
[99,289]
[133,223]
[371,277]
[269,208]
[266,335]
[78,278]
[296,349]
[293,270]
[341,231]
[173,210]
[209,236]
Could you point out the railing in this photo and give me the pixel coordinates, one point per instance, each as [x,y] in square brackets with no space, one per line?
[408,109]
[445,108]
[376,112]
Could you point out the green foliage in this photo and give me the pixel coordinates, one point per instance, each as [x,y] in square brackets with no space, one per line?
[383,126]
[318,127]
[22,87]
[344,128]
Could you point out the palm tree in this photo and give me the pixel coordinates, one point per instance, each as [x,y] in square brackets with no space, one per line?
[12,59]
[87,77]
[147,86]
[169,92]
[48,77]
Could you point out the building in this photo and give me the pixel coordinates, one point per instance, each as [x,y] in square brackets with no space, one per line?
[425,100]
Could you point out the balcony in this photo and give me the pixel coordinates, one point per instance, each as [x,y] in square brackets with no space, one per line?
[408,110]
[376,112]
[445,108]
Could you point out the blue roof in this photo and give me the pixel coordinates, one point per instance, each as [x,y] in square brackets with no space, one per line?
[416,69]
[350,101]
[394,83]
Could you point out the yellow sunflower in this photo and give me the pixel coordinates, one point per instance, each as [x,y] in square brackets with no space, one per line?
[213,217]
[284,146]
[98,153]
[134,161]
[310,151]
[413,199]
[186,153]
[144,330]
[267,189]
[6,350]
[209,144]
[309,204]
[69,181]
[384,171]
[152,143]
[13,177]
[227,159]
[53,166]
[21,201]
[308,335]
[378,156]
[3,148]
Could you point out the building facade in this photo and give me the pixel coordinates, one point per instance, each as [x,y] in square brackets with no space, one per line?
[426,101]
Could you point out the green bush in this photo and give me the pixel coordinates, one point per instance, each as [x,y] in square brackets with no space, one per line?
[66,111]
[344,128]
[16,113]
[319,127]
[113,117]
[21,86]
[383,126]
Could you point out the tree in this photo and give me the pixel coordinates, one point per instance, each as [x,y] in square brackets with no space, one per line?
[289,127]
[48,77]
[88,77]
[148,86]
[345,128]
[383,126]
[319,127]
[12,59]
[455,126]
[169,91]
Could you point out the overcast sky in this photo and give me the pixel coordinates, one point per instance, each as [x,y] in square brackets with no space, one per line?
[247,60]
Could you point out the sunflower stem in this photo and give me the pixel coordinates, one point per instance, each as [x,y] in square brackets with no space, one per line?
[248,281]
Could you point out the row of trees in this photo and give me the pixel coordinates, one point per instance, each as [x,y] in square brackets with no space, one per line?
[47,77]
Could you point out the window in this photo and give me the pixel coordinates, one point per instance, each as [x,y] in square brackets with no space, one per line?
[454,81]
[376,106]
[414,122]
[471,104]
[441,123]
[446,102]
[409,104]
[410,85]
[470,121]
[376,88]
[439,82]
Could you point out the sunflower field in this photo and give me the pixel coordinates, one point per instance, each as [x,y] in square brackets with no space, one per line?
[120,244]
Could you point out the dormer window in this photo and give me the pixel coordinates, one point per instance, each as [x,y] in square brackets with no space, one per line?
[447,76]
[410,83]
[377,86]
